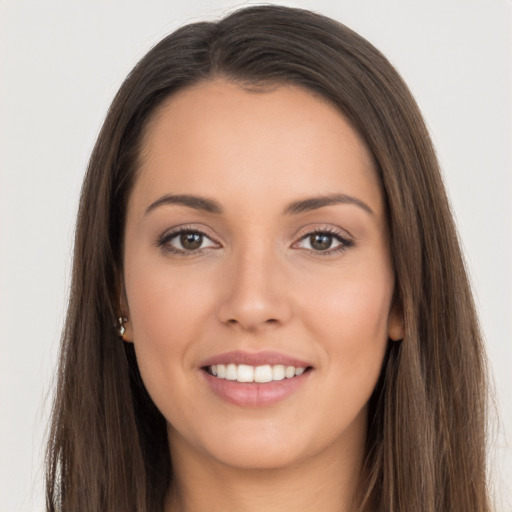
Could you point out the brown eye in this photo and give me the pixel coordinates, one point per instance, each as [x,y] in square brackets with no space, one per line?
[186,242]
[324,242]
[320,241]
[191,241]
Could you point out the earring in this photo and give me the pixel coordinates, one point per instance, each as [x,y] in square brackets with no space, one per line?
[120,328]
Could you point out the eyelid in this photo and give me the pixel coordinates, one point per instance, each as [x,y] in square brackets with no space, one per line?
[163,241]
[322,227]
[342,236]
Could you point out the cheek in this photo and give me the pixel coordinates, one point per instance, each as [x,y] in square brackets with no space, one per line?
[168,310]
[164,300]
[352,305]
[350,324]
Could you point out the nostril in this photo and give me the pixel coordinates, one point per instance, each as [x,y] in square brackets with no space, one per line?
[270,321]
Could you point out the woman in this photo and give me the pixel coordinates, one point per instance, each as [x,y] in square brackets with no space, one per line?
[264,220]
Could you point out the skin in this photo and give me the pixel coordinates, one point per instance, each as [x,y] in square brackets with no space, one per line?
[257,283]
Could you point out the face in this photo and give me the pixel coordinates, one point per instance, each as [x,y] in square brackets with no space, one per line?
[257,273]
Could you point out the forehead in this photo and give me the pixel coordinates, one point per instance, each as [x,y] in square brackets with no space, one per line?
[280,143]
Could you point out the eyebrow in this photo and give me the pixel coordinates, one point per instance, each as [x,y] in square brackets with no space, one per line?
[304,205]
[195,202]
[314,203]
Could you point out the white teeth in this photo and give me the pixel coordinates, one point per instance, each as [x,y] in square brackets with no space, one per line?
[231,373]
[245,373]
[263,373]
[289,372]
[260,374]
[278,372]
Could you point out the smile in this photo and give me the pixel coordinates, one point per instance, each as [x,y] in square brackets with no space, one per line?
[255,379]
[260,374]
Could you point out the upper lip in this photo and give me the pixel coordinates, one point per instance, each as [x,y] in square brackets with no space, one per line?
[254,359]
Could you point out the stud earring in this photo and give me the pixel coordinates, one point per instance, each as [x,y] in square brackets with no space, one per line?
[120,328]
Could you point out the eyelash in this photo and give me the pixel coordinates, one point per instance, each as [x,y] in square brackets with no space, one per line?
[345,243]
[164,241]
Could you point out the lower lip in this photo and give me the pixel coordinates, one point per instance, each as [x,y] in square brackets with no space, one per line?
[253,394]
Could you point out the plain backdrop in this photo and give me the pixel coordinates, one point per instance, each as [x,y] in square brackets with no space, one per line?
[61,62]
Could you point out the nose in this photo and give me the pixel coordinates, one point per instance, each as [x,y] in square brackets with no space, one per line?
[255,295]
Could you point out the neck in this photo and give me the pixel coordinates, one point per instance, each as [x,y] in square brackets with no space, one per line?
[326,482]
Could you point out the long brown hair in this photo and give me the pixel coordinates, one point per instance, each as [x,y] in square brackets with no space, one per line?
[426,437]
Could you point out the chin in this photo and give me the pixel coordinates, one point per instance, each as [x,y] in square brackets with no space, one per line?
[259,455]
[260,445]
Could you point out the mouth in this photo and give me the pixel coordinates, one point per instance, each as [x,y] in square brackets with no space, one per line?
[260,374]
[260,379]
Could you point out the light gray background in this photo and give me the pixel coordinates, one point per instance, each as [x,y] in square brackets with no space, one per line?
[60,65]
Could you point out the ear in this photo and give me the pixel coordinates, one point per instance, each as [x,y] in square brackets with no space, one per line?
[125,313]
[396,322]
